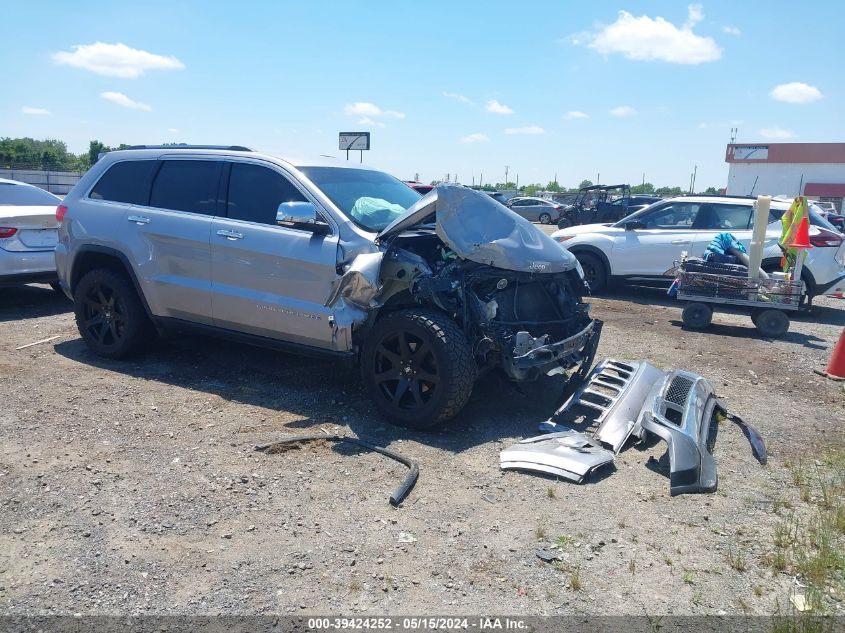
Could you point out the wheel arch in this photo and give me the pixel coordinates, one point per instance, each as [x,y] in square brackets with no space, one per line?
[91,257]
[593,250]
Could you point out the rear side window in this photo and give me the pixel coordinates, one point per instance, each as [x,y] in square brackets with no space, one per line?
[186,185]
[128,181]
[732,216]
[256,192]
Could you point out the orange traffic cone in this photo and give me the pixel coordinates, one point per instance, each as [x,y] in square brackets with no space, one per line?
[802,235]
[836,366]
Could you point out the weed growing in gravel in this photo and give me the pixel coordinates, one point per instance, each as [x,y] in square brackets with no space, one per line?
[736,559]
[687,578]
[354,585]
[632,566]
[564,539]
[575,580]
[809,543]
[696,598]
[758,591]
[667,560]
[540,531]
[621,524]
[550,492]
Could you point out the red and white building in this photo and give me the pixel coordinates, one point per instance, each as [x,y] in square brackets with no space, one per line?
[815,170]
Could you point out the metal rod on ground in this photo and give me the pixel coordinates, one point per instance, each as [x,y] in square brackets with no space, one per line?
[401,491]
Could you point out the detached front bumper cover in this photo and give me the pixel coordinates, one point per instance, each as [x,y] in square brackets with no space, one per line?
[682,411]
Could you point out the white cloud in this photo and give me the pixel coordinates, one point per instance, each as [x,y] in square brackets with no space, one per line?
[457,97]
[497,108]
[371,122]
[528,129]
[475,138]
[653,39]
[115,60]
[122,100]
[35,111]
[367,109]
[623,110]
[796,92]
[776,133]
[575,114]
[731,30]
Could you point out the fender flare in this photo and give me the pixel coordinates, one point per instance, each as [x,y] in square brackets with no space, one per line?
[114,254]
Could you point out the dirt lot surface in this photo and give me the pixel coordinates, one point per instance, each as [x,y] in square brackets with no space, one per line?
[133,487]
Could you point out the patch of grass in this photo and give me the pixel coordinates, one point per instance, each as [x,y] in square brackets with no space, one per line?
[632,566]
[780,504]
[540,531]
[354,585]
[667,560]
[696,598]
[736,559]
[809,544]
[562,566]
[758,591]
[575,580]
[564,539]
[621,524]
[688,578]
[550,492]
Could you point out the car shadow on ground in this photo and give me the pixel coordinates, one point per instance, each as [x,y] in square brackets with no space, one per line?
[319,392]
[738,331]
[31,302]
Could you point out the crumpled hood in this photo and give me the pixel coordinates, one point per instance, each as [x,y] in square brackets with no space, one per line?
[481,230]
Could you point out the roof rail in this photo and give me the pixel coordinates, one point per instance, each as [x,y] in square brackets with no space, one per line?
[234,148]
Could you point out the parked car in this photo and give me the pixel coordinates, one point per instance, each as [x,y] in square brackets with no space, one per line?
[28,234]
[825,207]
[829,213]
[321,258]
[535,209]
[645,244]
[498,196]
[419,187]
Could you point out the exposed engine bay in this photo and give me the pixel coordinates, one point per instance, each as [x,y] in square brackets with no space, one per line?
[527,323]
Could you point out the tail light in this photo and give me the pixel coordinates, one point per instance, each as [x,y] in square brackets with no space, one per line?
[826,238]
[60,212]
[7,231]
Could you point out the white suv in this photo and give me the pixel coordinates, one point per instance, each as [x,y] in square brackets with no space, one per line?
[647,243]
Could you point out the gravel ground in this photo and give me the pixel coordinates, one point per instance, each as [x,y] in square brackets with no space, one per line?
[133,487]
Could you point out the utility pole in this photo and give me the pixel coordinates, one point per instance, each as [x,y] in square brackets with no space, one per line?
[643,179]
[692,180]
[506,174]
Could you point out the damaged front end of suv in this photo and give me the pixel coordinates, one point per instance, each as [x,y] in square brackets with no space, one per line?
[461,285]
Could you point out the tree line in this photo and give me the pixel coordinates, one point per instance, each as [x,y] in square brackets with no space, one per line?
[49,154]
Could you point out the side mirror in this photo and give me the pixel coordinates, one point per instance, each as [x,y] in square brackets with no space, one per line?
[300,215]
[633,225]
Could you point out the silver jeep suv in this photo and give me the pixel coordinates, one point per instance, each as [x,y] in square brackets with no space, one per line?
[321,258]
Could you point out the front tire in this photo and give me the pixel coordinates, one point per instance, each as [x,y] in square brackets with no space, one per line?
[418,368]
[595,272]
[109,314]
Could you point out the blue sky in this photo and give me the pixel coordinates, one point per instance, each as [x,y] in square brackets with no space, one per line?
[574,89]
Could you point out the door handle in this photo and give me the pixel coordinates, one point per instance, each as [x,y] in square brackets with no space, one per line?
[231,235]
[138,219]
[681,242]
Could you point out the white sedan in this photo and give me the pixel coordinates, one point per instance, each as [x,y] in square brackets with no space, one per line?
[28,234]
[647,243]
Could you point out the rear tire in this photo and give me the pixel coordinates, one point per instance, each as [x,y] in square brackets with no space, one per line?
[418,368]
[771,323]
[595,272]
[545,218]
[697,315]
[109,314]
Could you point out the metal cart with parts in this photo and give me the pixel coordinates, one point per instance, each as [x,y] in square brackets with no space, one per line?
[769,300]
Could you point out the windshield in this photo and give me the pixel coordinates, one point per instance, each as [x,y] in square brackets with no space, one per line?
[371,199]
[21,195]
